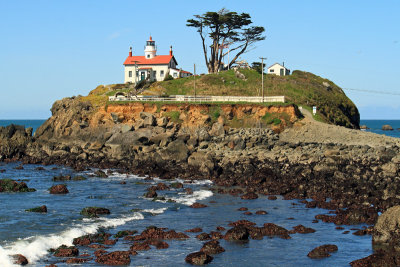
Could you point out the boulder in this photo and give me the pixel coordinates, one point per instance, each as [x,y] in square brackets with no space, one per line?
[212,247]
[194,230]
[59,189]
[322,251]
[115,258]
[237,233]
[65,251]
[175,151]
[217,129]
[198,258]
[93,212]
[148,119]
[41,209]
[387,127]
[386,230]
[162,122]
[20,259]
[198,205]
[8,185]
[250,195]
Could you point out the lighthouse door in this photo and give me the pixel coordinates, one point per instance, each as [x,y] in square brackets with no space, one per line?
[142,75]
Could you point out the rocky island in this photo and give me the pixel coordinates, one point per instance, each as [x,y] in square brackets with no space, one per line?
[245,149]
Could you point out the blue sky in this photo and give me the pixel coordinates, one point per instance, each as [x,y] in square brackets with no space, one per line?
[55,49]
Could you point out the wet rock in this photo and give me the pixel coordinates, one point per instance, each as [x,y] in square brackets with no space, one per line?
[150,194]
[100,173]
[301,229]
[65,251]
[272,197]
[198,205]
[242,222]
[59,189]
[220,228]
[39,168]
[139,246]
[91,238]
[8,185]
[216,235]
[387,127]
[203,236]
[271,229]
[155,233]
[322,251]
[100,252]
[20,259]
[93,212]
[243,209]
[76,260]
[62,178]
[158,244]
[250,195]
[212,247]
[125,233]
[237,233]
[194,230]
[115,258]
[176,185]
[261,212]
[379,258]
[198,258]
[248,213]
[41,209]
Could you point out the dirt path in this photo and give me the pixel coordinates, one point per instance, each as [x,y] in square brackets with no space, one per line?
[310,130]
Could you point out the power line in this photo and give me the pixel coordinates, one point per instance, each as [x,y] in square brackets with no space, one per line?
[372,91]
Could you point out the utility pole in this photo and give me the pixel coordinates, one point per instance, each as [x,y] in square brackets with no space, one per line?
[262,76]
[194,81]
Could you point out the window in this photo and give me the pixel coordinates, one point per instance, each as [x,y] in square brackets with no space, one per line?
[162,73]
[148,56]
[130,74]
[271,70]
[175,74]
[154,73]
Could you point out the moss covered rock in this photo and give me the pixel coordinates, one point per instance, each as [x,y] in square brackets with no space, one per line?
[9,185]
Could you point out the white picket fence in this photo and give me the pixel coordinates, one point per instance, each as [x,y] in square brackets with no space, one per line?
[190,98]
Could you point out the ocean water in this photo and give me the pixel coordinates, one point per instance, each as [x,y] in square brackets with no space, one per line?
[376,127]
[33,234]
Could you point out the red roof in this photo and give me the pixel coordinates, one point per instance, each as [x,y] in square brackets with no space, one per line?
[184,71]
[141,60]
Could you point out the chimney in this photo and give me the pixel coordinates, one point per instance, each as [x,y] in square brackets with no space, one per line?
[130,51]
[283,64]
[170,50]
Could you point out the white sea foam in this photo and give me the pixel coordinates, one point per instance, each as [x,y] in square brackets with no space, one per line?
[37,247]
[190,199]
[4,259]
[155,211]
[196,182]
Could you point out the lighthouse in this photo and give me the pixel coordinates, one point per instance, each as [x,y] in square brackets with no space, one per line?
[150,49]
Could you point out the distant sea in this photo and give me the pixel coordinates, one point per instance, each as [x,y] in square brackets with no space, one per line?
[375,126]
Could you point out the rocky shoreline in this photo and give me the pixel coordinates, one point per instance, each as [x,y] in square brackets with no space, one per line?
[354,181]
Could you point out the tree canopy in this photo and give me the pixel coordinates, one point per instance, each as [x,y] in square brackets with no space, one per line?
[225,28]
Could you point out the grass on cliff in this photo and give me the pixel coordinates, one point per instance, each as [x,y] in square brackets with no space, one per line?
[301,88]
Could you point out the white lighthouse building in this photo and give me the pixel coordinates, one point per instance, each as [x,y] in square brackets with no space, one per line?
[151,67]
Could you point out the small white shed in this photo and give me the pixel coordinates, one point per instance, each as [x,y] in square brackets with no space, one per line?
[278,69]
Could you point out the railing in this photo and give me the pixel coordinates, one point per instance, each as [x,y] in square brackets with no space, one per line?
[189,98]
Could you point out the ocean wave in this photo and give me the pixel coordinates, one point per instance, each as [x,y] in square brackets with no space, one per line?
[155,211]
[38,246]
[196,196]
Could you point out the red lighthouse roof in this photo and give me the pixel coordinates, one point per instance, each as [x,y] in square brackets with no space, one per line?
[157,60]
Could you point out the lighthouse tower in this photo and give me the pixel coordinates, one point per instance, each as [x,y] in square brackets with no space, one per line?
[150,50]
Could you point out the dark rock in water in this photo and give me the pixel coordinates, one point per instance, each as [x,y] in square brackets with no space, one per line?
[242,222]
[2,170]
[94,211]
[194,230]
[177,185]
[261,212]
[42,209]
[216,235]
[20,167]
[322,251]
[387,127]
[39,168]
[272,198]
[100,252]
[379,258]
[158,244]
[248,213]
[76,260]
[237,233]
[51,265]
[62,178]
[91,238]
[65,251]
[212,247]
[363,127]
[243,209]
[203,236]
[115,258]
[155,233]
[271,229]
[198,205]
[250,195]
[20,259]
[101,174]
[125,233]
[151,194]
[140,246]
[301,229]
[198,258]
[8,185]
[220,228]
[79,178]
[59,189]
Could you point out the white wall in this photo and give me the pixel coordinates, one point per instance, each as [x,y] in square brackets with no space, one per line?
[276,69]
